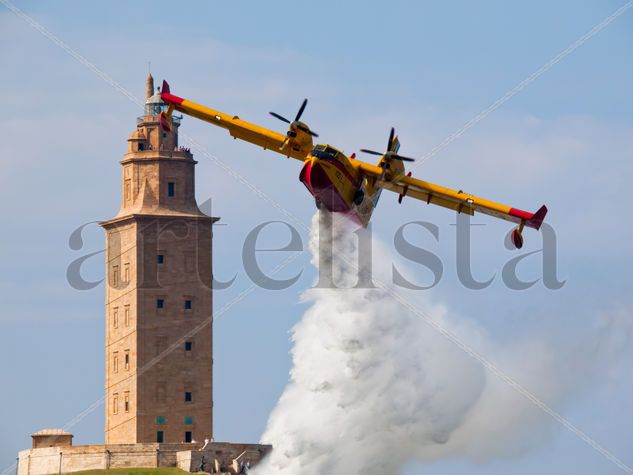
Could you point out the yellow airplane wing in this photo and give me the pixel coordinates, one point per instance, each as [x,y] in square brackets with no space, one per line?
[452,199]
[296,147]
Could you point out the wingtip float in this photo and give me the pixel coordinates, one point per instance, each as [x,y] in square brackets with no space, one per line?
[345,184]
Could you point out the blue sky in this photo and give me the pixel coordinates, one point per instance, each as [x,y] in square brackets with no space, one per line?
[425,68]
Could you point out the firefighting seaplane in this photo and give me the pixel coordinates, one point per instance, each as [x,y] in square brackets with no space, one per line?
[342,183]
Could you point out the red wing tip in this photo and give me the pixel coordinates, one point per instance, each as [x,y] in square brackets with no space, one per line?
[538,218]
[169,98]
[519,213]
[165,88]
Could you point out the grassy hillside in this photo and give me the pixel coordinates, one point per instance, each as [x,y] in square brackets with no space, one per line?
[134,471]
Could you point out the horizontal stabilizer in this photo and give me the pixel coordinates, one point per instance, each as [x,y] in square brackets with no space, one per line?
[537,218]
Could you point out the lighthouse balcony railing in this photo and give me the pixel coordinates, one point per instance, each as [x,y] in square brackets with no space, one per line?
[175,119]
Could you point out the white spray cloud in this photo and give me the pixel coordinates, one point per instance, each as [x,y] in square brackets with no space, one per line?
[374,387]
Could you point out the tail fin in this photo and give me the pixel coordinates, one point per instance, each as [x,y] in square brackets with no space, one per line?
[395,146]
[165,88]
[537,218]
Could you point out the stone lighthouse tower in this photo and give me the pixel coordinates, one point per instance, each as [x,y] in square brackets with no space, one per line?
[158,293]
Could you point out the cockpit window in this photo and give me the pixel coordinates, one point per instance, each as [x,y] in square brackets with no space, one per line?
[322,151]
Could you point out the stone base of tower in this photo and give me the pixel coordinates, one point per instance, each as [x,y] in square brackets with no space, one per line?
[216,457]
[219,457]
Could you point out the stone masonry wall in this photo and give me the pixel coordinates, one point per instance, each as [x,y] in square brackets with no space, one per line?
[49,460]
[91,457]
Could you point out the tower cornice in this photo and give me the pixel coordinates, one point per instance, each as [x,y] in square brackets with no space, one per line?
[158,155]
[166,215]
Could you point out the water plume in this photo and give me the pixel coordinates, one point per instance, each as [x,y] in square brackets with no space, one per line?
[373,387]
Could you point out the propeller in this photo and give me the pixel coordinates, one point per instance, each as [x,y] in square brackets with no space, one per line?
[296,123]
[389,154]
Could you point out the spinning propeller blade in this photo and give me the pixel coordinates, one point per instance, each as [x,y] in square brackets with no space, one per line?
[390,141]
[389,154]
[296,122]
[280,117]
[404,159]
[301,109]
[371,152]
[307,130]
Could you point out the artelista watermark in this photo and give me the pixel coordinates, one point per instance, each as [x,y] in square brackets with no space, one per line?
[156,246]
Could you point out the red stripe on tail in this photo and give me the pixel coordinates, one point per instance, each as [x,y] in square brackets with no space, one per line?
[169,98]
[532,220]
[537,218]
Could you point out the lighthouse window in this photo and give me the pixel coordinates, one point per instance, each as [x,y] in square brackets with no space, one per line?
[127,315]
[171,188]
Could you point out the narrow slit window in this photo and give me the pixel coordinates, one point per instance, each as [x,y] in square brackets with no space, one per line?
[171,189]
[126,316]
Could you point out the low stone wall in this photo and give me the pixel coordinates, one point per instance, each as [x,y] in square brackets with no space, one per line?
[48,460]
[221,457]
